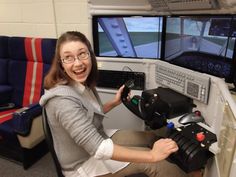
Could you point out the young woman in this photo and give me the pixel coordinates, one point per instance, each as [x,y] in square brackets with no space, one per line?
[84,148]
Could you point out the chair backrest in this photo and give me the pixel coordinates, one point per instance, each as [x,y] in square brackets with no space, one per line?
[4,57]
[30,59]
[5,89]
[49,140]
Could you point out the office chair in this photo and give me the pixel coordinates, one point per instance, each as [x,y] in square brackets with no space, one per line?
[49,140]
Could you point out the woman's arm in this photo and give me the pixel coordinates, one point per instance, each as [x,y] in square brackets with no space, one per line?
[161,150]
[115,102]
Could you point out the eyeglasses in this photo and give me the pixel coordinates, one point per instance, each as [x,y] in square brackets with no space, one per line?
[71,59]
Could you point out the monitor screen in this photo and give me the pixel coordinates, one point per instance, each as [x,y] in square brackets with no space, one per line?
[127,36]
[202,43]
[233,27]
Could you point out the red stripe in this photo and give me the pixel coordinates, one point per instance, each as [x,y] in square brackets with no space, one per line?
[28,49]
[4,119]
[38,48]
[28,83]
[29,72]
[8,117]
[39,71]
[6,112]
[38,83]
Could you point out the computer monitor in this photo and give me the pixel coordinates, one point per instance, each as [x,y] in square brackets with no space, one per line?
[127,36]
[205,43]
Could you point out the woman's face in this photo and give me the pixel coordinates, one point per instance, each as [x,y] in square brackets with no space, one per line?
[76,60]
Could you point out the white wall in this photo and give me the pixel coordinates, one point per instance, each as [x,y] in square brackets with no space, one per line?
[42,18]
[50,18]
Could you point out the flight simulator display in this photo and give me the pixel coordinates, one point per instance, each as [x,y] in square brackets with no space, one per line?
[202,43]
[130,36]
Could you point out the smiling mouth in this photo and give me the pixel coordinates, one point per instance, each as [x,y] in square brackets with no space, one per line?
[78,72]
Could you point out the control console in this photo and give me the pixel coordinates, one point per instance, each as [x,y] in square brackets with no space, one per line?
[156,107]
[193,141]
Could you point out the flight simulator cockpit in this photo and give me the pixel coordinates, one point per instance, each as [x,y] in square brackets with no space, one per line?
[179,66]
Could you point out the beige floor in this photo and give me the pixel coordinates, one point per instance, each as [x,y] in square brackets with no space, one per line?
[43,168]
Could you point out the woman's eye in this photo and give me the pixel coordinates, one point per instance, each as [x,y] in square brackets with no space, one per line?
[83,54]
[69,58]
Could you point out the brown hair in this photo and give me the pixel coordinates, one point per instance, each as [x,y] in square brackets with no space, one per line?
[56,73]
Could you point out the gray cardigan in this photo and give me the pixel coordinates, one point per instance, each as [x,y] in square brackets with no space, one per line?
[75,124]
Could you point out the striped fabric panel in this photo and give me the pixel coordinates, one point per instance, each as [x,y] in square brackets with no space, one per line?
[34,72]
[6,115]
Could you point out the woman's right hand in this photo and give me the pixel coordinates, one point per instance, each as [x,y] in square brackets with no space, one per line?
[162,148]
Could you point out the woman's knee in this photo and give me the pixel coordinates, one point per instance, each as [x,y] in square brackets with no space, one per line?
[134,138]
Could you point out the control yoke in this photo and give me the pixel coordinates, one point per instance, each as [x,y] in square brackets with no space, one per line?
[152,109]
[128,86]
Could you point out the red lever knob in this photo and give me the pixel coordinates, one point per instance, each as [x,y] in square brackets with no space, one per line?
[200,136]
